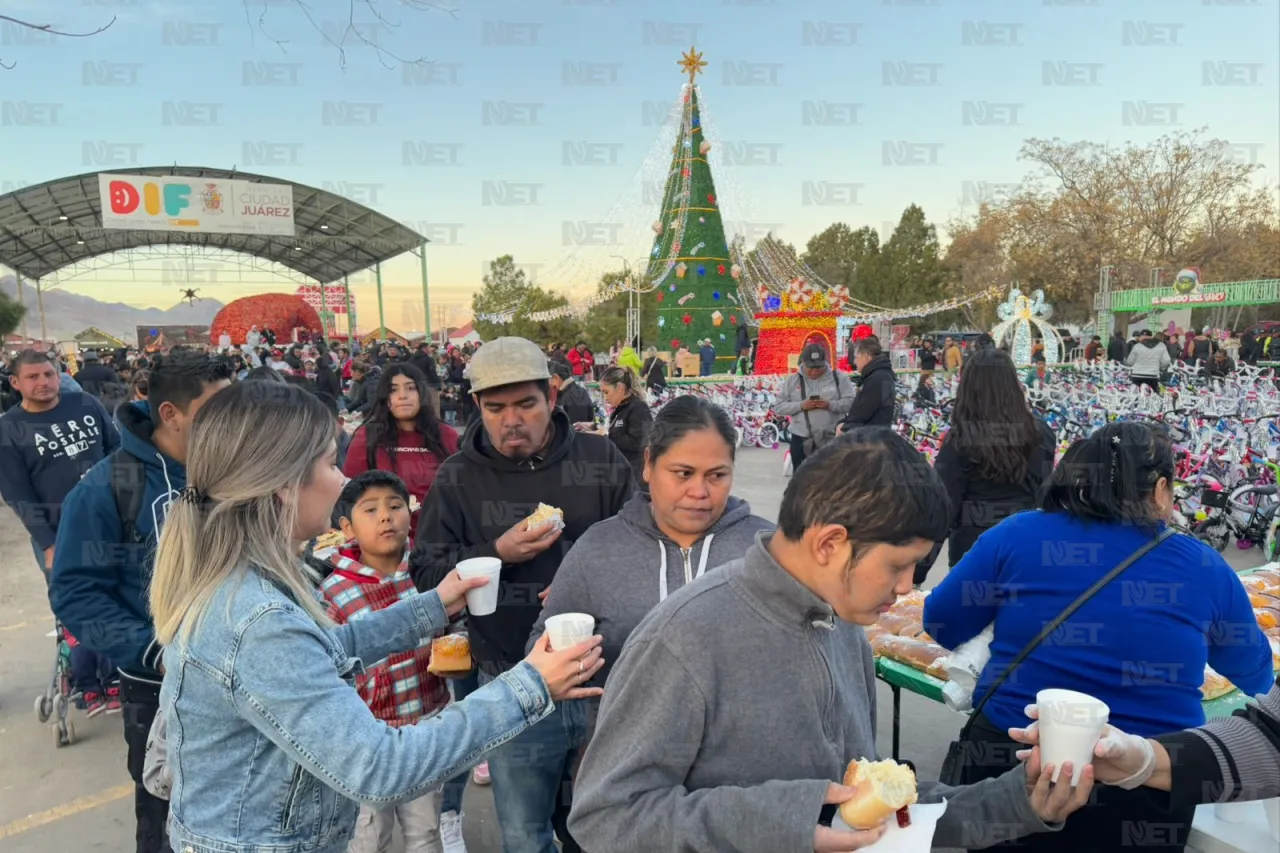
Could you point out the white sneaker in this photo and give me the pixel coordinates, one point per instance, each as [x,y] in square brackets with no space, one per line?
[451,833]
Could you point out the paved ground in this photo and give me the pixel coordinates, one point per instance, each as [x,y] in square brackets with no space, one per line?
[79,798]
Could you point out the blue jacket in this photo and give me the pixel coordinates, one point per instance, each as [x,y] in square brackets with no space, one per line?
[100,581]
[1140,644]
[270,747]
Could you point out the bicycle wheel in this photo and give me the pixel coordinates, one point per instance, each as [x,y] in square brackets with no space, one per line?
[767,436]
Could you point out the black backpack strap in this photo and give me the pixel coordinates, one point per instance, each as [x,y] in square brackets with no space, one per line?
[128,489]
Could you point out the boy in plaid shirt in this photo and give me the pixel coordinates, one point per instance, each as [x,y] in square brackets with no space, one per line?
[370,574]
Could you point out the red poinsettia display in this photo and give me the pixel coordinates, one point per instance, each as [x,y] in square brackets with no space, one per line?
[282,312]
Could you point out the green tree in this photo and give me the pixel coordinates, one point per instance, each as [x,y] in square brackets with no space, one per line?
[912,264]
[507,291]
[691,237]
[11,314]
[841,255]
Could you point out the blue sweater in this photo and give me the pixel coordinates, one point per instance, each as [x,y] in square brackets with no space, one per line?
[1140,644]
[100,582]
[44,454]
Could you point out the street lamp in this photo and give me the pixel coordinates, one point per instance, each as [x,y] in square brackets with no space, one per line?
[633,309]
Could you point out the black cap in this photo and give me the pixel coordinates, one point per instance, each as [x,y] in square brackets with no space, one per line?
[813,355]
[1145,333]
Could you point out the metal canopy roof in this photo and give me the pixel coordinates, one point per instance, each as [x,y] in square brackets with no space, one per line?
[49,226]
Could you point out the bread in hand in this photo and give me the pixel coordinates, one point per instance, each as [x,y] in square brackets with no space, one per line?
[883,788]
[1215,685]
[545,514]
[450,654]
[332,539]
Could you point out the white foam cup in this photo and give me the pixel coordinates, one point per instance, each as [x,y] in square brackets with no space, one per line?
[1071,724]
[484,600]
[569,629]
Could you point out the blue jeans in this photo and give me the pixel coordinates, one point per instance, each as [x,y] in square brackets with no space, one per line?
[532,778]
[451,800]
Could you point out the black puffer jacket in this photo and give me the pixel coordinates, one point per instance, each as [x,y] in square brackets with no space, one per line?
[629,427]
[877,390]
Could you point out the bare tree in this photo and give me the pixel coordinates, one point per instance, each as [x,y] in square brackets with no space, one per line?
[354,33]
[48,28]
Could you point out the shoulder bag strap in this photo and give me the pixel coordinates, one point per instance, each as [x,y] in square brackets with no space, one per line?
[1063,617]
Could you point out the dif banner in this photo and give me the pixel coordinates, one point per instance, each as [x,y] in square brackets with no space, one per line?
[164,203]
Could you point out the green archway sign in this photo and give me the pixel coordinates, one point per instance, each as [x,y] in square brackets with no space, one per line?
[1153,300]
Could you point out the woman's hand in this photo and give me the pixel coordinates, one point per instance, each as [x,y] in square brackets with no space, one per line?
[453,591]
[828,840]
[1117,758]
[1053,803]
[565,669]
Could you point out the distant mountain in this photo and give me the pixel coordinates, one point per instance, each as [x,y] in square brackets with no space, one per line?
[69,314]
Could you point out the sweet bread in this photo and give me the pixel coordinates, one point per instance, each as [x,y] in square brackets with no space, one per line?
[930,658]
[1268,617]
[545,514]
[884,787]
[1215,685]
[332,539]
[450,654]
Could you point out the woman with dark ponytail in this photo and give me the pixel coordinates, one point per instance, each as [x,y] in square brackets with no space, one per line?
[629,417]
[1140,642]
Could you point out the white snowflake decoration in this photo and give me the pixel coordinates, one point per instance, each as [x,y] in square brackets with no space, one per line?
[1019,313]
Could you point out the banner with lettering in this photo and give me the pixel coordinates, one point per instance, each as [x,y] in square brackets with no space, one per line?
[210,206]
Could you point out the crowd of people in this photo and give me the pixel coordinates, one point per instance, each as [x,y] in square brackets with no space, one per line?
[282,694]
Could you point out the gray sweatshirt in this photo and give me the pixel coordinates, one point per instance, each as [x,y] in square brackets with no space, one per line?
[1149,359]
[615,571]
[825,386]
[734,705]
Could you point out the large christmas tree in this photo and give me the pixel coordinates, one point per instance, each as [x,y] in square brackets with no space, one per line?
[693,277]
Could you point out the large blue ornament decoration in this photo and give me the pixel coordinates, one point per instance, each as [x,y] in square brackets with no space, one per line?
[773,303]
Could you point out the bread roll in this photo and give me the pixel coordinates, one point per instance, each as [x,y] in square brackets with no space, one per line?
[894,622]
[1214,685]
[926,657]
[1269,576]
[543,515]
[450,655]
[883,788]
[878,641]
[1268,617]
[874,631]
[1254,583]
[915,598]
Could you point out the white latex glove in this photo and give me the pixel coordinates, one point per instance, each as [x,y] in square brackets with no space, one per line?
[1124,760]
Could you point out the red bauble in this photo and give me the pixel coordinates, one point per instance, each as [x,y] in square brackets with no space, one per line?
[720,269]
[282,312]
[861,332]
[733,319]
[675,343]
[711,199]
[687,319]
[660,296]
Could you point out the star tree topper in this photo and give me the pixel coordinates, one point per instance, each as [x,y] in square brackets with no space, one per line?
[692,63]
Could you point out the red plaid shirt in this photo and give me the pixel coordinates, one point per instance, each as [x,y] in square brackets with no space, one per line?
[398,690]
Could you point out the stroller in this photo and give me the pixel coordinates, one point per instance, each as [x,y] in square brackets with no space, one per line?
[63,693]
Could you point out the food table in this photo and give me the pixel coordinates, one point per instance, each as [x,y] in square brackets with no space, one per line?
[1249,830]
[901,677]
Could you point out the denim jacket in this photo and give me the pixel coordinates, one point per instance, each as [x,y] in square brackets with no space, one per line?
[270,747]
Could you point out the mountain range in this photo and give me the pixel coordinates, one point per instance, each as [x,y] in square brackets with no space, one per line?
[69,314]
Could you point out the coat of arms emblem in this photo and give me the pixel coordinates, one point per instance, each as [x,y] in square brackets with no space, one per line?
[212,199]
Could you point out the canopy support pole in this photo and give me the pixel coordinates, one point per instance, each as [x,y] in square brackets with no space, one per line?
[426,294]
[324,312]
[351,329]
[382,322]
[44,331]
[22,300]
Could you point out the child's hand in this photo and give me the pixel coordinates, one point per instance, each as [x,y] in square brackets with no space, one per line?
[453,591]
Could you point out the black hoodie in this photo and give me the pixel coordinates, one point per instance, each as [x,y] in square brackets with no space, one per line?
[877,393]
[479,494]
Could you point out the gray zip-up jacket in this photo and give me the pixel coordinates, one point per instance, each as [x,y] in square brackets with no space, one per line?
[735,703]
[624,566]
[791,396]
[1149,359]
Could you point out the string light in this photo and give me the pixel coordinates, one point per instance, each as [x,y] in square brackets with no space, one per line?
[1019,313]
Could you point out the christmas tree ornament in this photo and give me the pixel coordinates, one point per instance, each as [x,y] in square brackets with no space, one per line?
[720,269]
[773,303]
[711,199]
[698,248]
[722,337]
[684,173]
[702,270]
[688,143]
[715,294]
[675,343]
[687,319]
[675,247]
[657,228]
[704,147]
[733,319]
[717,319]
[735,271]
[683,299]
[660,297]
[662,321]
[672,288]
[681,269]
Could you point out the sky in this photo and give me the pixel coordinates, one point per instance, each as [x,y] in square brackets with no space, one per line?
[536,127]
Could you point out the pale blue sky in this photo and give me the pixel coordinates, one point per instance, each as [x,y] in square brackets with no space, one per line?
[766,60]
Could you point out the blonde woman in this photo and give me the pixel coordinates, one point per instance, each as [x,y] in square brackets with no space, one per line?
[269,745]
